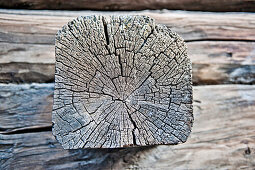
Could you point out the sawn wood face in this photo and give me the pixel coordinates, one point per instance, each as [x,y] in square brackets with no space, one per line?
[121,81]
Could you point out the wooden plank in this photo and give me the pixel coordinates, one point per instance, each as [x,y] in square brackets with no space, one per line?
[222,137]
[200,52]
[222,52]
[40,27]
[223,41]
[25,106]
[218,43]
[41,151]
[200,5]
[20,72]
[214,62]
[202,74]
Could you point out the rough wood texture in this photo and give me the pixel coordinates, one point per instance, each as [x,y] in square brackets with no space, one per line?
[221,46]
[217,45]
[200,5]
[25,106]
[120,81]
[40,27]
[222,136]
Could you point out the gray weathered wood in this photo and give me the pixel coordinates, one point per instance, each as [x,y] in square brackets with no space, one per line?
[40,150]
[217,45]
[120,81]
[214,62]
[25,106]
[199,5]
[40,27]
[222,136]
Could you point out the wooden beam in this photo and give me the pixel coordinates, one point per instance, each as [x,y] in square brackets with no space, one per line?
[34,112]
[118,80]
[222,136]
[213,39]
[198,5]
[40,27]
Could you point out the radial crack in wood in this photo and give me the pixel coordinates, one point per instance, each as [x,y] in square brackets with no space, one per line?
[120,81]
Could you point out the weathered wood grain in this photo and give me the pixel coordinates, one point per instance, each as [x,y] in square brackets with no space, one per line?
[214,62]
[40,27]
[212,65]
[25,106]
[222,137]
[220,40]
[41,151]
[200,5]
[20,72]
[120,81]
[200,52]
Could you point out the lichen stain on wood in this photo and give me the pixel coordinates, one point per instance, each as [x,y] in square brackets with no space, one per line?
[120,81]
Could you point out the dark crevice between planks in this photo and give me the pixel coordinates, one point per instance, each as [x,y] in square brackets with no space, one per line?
[25,130]
[219,39]
[130,5]
[107,40]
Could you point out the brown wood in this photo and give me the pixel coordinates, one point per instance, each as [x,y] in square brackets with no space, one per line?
[22,72]
[221,46]
[222,137]
[214,40]
[199,5]
[203,74]
[40,27]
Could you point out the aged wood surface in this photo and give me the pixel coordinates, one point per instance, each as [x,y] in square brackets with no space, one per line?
[40,27]
[200,5]
[121,81]
[223,132]
[222,136]
[40,150]
[25,106]
[218,43]
[214,62]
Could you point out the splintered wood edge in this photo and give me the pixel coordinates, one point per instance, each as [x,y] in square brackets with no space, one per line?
[120,81]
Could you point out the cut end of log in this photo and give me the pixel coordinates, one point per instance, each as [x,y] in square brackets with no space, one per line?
[121,81]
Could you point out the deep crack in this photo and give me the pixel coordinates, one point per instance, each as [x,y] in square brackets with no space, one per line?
[110,95]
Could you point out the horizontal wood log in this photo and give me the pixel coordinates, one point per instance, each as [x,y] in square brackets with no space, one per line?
[203,74]
[214,39]
[223,135]
[40,150]
[25,106]
[20,72]
[200,5]
[40,27]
